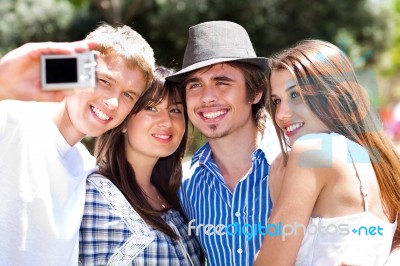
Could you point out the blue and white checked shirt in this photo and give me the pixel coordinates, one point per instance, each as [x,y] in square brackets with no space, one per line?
[227,224]
[112,233]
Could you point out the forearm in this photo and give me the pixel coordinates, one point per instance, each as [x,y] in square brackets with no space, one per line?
[4,90]
[20,70]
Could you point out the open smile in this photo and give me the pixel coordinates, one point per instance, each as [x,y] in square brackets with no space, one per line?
[293,128]
[163,137]
[100,114]
[212,115]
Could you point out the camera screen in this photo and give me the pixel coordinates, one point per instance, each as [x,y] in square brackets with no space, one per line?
[61,70]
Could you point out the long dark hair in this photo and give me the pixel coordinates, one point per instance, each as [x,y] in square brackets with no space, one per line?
[167,173]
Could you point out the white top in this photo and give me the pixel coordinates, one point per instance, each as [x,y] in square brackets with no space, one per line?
[337,243]
[357,239]
[42,187]
[270,142]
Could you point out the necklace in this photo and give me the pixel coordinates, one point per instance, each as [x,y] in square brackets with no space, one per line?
[159,200]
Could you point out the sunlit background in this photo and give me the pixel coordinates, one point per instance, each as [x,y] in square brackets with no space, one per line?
[368,31]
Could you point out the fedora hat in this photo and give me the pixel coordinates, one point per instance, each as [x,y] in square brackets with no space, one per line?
[216,42]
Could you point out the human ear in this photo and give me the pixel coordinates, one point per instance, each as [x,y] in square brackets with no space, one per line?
[257,98]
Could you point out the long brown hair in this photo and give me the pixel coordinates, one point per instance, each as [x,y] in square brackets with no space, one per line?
[329,86]
[167,173]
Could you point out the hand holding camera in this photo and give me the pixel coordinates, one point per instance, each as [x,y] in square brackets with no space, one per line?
[20,70]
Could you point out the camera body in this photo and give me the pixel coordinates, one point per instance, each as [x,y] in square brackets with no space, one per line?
[68,71]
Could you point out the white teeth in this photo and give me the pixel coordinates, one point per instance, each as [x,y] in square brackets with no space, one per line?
[100,114]
[294,126]
[162,136]
[213,114]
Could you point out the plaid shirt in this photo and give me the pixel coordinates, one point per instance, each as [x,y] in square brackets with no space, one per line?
[112,233]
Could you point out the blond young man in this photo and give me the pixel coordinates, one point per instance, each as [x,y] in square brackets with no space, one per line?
[43,167]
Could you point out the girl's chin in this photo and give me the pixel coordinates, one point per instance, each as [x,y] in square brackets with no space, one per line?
[293,139]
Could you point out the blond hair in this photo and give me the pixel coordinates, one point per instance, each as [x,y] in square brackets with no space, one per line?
[123,41]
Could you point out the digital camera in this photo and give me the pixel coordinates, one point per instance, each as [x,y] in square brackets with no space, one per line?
[68,71]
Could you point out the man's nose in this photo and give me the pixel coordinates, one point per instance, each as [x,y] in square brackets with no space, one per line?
[111,103]
[209,94]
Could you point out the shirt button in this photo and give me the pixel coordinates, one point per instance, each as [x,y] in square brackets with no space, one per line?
[237,214]
[239,250]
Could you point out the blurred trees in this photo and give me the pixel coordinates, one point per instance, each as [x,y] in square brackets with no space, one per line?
[359,27]
[33,20]
[394,52]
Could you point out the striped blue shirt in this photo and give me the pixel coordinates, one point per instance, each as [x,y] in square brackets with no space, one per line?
[229,225]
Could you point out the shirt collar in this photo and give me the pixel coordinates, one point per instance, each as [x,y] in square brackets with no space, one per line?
[204,155]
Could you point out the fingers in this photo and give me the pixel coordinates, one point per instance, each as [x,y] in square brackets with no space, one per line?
[20,69]
[34,50]
[37,49]
[84,45]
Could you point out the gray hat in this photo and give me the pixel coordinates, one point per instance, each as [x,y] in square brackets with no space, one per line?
[216,42]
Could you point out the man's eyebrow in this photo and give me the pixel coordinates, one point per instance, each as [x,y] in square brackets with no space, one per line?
[222,78]
[134,93]
[194,79]
[216,78]
[105,75]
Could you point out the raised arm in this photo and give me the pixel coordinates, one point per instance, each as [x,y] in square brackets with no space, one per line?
[20,70]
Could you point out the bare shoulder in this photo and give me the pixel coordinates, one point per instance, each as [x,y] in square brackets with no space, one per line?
[314,151]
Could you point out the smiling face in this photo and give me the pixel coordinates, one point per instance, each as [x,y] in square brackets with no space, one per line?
[292,115]
[155,131]
[92,112]
[216,101]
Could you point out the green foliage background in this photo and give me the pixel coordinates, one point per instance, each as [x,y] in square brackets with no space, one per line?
[367,30]
[272,24]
